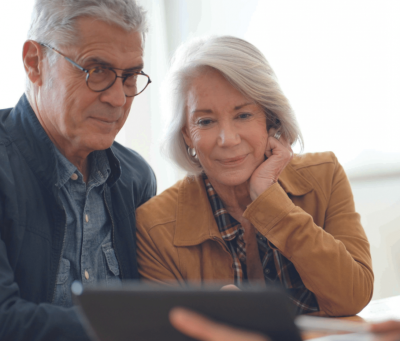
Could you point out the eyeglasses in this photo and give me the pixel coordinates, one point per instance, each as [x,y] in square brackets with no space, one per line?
[102,78]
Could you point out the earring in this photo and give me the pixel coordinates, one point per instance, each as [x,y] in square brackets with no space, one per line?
[192,152]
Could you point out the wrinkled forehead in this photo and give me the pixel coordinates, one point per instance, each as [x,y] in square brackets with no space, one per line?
[108,42]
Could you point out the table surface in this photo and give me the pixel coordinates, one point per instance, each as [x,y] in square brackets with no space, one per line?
[375,311]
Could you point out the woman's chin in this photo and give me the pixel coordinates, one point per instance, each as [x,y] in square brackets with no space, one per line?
[232,178]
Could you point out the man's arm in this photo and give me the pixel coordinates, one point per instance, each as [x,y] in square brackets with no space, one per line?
[23,320]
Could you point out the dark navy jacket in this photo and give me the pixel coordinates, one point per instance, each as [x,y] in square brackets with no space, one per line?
[32,226]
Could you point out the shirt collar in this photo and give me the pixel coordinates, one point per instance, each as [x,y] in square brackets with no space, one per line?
[100,168]
[65,168]
[195,220]
[227,225]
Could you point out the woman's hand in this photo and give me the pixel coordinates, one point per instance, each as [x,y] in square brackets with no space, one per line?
[279,153]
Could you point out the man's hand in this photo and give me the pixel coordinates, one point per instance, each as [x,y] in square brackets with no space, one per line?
[201,328]
[279,153]
[387,331]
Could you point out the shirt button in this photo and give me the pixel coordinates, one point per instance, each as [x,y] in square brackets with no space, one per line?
[86,218]
[74,176]
[267,271]
[86,274]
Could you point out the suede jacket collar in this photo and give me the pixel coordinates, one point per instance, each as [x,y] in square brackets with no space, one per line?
[195,221]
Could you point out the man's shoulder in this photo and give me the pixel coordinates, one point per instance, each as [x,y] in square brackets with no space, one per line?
[4,113]
[132,163]
[136,173]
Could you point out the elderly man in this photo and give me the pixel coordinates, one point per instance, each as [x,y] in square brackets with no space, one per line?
[68,192]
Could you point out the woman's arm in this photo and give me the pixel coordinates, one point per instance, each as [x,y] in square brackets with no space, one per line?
[332,260]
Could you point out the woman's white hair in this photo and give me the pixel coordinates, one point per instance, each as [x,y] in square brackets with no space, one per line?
[53,21]
[245,67]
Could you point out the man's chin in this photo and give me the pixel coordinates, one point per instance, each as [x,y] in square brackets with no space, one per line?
[99,142]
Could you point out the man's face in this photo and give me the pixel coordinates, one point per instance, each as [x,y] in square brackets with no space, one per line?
[75,117]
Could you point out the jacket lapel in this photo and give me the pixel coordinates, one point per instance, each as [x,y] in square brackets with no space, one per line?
[195,221]
[293,182]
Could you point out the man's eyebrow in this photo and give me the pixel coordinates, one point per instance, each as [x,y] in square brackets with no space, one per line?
[99,61]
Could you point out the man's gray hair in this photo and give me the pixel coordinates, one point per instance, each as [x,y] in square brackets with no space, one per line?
[53,21]
[245,67]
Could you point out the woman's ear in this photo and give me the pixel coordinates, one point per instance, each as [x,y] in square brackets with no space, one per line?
[186,137]
[32,57]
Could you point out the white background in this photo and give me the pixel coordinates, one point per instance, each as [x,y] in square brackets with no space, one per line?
[338,62]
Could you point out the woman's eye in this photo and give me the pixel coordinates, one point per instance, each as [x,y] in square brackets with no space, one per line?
[244,115]
[204,122]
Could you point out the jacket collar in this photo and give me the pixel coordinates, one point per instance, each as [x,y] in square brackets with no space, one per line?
[38,150]
[195,221]
[293,182]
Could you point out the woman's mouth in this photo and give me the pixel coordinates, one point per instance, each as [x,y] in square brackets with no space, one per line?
[235,161]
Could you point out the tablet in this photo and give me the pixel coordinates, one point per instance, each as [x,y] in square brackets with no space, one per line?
[140,312]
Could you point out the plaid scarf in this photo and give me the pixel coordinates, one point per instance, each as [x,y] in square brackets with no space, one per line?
[275,266]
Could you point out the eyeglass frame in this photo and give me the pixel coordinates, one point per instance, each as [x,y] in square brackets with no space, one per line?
[88,72]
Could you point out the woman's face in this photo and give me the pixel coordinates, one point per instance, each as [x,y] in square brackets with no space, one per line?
[227,130]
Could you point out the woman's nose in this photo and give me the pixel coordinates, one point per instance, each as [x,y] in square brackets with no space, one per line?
[228,136]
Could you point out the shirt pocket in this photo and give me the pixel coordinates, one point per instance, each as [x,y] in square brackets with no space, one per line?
[112,273]
[61,294]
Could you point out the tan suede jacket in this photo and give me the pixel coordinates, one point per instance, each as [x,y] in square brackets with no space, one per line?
[308,215]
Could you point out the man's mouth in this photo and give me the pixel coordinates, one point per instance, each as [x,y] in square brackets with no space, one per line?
[103,120]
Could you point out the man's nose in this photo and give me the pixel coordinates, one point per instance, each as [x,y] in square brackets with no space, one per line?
[228,135]
[115,95]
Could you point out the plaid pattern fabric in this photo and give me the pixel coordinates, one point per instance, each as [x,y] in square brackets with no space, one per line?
[276,268]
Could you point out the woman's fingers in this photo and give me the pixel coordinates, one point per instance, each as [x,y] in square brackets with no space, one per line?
[279,153]
[201,328]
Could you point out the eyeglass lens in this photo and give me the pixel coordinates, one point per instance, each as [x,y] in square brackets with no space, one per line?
[101,78]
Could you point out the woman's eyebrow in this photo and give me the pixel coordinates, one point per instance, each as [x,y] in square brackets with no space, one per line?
[243,105]
[209,111]
[204,111]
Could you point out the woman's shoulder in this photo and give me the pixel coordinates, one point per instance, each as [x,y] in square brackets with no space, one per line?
[159,209]
[314,159]
[318,171]
[163,208]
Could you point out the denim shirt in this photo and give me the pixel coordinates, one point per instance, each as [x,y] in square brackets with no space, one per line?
[87,253]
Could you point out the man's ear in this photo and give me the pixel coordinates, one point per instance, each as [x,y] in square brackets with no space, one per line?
[32,57]
[186,137]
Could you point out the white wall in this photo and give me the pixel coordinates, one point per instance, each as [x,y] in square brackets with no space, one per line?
[337,62]
[378,202]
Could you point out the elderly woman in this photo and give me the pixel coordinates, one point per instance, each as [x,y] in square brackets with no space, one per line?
[249,209]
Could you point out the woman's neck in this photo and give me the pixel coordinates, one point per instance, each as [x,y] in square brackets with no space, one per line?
[235,198]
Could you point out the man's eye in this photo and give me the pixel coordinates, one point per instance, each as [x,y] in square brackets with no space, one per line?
[130,75]
[98,71]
